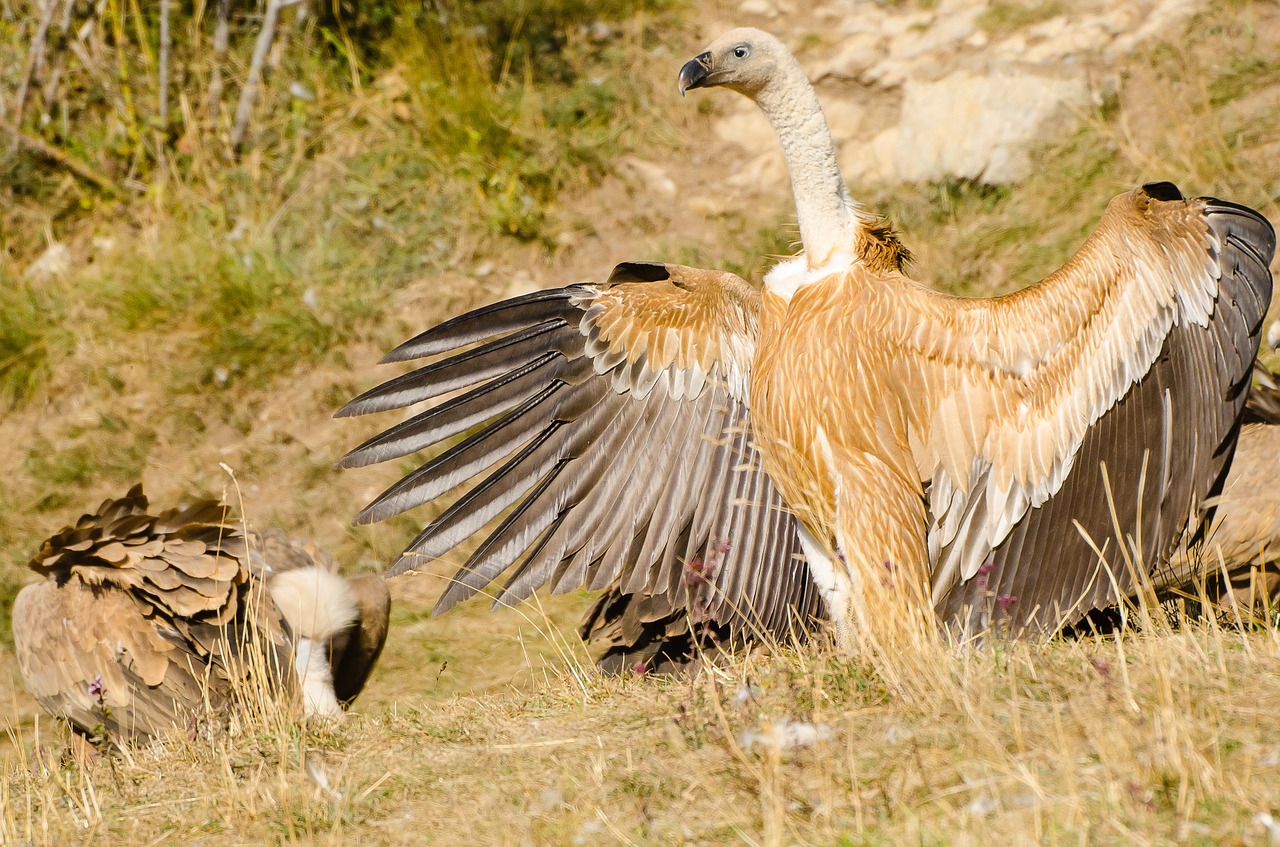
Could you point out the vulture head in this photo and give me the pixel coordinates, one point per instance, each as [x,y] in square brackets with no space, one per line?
[745,60]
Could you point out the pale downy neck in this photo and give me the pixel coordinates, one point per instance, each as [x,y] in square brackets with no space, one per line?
[826,211]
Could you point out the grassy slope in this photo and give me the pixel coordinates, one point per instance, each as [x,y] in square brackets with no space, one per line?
[481,723]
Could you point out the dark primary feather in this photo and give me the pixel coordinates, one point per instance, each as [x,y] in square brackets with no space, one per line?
[599,475]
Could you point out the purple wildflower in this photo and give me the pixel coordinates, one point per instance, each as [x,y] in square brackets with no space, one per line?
[698,571]
[96,688]
[723,547]
[984,574]
[1006,601]
[640,668]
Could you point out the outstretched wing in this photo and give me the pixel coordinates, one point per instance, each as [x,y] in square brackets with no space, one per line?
[613,436]
[1098,409]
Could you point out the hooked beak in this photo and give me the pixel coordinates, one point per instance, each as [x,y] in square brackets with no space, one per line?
[695,73]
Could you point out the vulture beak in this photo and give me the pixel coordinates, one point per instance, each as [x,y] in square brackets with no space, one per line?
[695,73]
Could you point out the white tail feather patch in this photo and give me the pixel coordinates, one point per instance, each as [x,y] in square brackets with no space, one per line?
[316,603]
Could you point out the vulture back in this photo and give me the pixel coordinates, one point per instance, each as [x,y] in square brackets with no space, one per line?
[145,621]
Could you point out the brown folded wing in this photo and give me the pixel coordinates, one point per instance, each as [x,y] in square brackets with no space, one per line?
[144,620]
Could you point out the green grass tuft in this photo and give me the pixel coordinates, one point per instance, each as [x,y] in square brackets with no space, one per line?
[34,336]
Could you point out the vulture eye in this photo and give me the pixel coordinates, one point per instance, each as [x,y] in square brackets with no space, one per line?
[741,51]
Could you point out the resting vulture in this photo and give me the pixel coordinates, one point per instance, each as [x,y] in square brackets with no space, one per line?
[985,458]
[1238,557]
[143,620]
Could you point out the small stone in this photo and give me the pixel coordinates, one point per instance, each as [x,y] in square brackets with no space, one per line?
[982,806]
[298,91]
[54,261]
[1269,826]
[748,128]
[896,25]
[762,175]
[599,31]
[785,734]
[857,54]
[651,176]
[896,735]
[863,161]
[763,8]
[522,282]
[549,800]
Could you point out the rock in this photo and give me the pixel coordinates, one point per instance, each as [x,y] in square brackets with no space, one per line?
[895,25]
[299,91]
[845,118]
[785,734]
[1072,42]
[650,176]
[867,17]
[871,161]
[978,126]
[944,34]
[709,207]
[762,175]
[763,8]
[890,73]
[1161,18]
[1268,825]
[747,128]
[857,54]
[54,261]
[599,31]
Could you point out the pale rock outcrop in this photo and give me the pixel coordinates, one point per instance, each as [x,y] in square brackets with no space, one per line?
[950,91]
[979,126]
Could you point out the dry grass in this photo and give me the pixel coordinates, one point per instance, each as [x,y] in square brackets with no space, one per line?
[292,270]
[1140,740]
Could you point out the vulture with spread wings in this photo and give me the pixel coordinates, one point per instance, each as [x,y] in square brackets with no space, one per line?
[1011,462]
